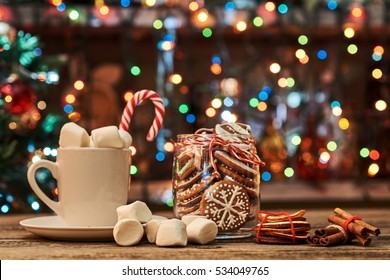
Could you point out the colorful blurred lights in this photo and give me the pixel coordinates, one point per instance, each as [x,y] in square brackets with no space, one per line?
[343,124]
[296,140]
[364,152]
[78,85]
[135,70]
[241,26]
[303,40]
[253,102]
[216,103]
[216,69]
[373,169]
[380,105]
[374,155]
[322,54]
[207,32]
[275,68]
[377,73]
[266,176]
[35,206]
[70,98]
[332,5]
[349,32]
[258,22]
[262,106]
[175,79]
[352,49]
[337,111]
[184,108]
[210,112]
[190,118]
[289,172]
[331,146]
[300,54]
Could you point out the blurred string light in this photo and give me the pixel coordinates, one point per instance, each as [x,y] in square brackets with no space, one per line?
[349,32]
[258,21]
[207,32]
[380,105]
[332,5]
[377,73]
[283,8]
[322,54]
[135,70]
[241,26]
[125,3]
[352,49]
[373,169]
[378,52]
[303,40]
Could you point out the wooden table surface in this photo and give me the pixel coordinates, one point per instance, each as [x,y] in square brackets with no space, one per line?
[17,243]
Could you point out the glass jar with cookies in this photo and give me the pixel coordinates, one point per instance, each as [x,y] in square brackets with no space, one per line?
[216,174]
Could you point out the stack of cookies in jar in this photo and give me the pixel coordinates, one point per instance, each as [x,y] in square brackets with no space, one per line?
[216,175]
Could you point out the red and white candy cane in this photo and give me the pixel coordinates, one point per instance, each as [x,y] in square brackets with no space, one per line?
[158,108]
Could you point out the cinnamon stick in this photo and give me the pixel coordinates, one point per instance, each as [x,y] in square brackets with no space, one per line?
[344,214]
[364,241]
[326,231]
[352,227]
[313,239]
[336,238]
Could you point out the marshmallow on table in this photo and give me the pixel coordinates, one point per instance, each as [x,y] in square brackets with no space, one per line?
[126,138]
[73,135]
[171,232]
[137,210]
[201,231]
[128,232]
[189,218]
[106,137]
[151,229]
[158,217]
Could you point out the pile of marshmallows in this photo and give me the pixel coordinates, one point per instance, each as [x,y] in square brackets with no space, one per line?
[73,135]
[135,220]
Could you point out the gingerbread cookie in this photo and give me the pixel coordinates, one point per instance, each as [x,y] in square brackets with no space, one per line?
[233,163]
[233,128]
[227,204]
[188,200]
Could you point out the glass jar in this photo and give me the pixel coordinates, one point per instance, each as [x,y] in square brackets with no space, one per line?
[218,176]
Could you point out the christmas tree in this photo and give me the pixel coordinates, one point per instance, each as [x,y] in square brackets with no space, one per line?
[26,125]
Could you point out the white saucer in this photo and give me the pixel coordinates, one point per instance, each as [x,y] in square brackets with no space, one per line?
[53,227]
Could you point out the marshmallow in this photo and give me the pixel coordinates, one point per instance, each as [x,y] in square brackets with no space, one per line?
[106,137]
[137,210]
[171,232]
[189,218]
[126,138]
[73,135]
[201,231]
[128,232]
[151,229]
[157,217]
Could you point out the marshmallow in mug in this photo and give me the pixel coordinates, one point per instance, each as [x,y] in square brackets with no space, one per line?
[73,135]
[110,137]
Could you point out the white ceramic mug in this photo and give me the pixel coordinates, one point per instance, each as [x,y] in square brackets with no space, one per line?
[92,183]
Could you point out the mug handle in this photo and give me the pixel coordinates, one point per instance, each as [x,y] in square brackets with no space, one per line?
[53,168]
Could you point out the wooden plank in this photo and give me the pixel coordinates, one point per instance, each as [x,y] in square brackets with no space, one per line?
[17,243]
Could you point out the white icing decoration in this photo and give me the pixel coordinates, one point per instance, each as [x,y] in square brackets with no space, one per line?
[227,219]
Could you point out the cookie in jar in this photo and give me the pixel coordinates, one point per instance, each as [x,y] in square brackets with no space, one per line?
[216,174]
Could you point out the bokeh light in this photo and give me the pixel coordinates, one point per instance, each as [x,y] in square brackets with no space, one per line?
[380,105]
